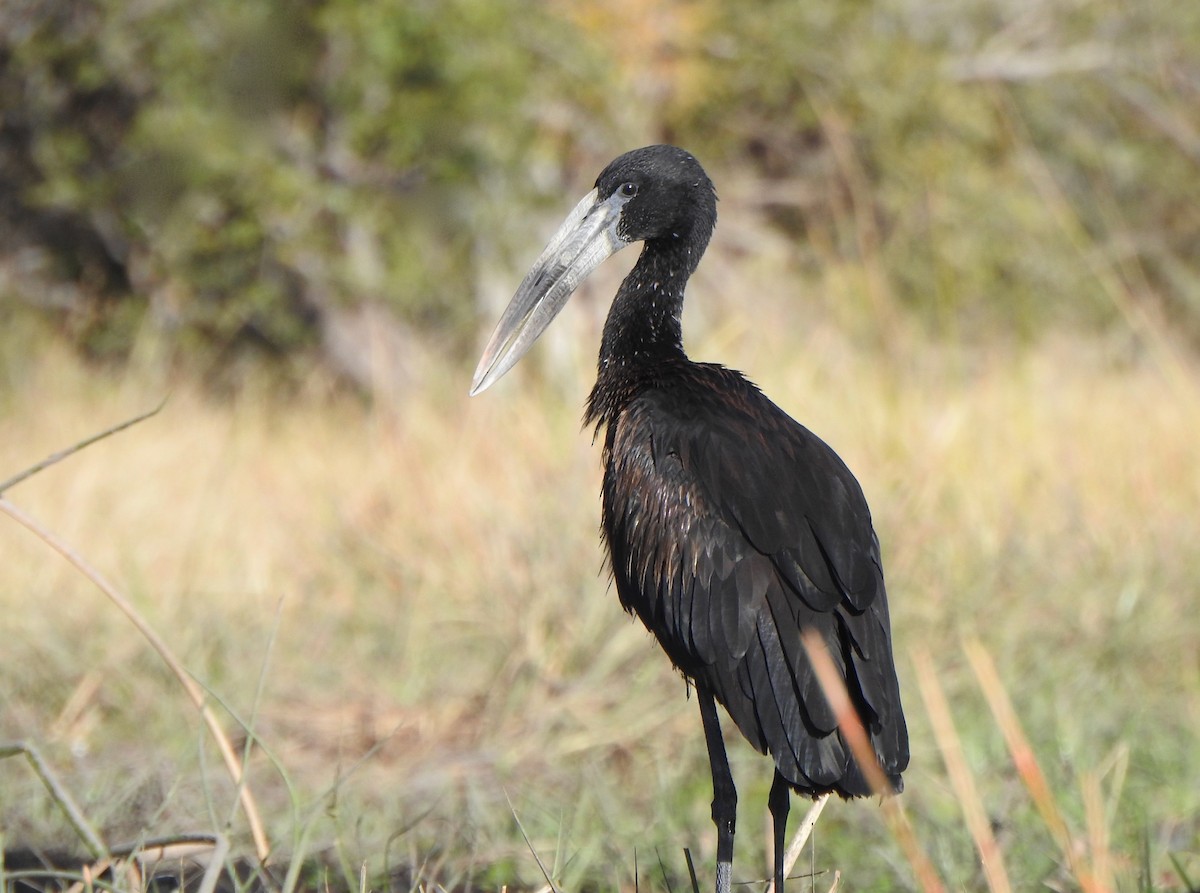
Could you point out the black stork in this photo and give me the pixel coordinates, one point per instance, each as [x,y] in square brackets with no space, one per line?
[730,527]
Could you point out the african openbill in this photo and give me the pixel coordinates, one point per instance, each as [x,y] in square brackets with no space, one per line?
[730,527]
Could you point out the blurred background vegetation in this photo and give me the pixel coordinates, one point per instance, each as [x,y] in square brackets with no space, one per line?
[296,179]
[961,240]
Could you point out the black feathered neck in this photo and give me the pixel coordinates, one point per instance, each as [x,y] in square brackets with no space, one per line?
[642,335]
[673,210]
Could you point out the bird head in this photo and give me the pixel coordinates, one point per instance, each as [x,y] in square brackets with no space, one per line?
[653,194]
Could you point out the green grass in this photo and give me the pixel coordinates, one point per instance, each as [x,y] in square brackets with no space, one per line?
[423,583]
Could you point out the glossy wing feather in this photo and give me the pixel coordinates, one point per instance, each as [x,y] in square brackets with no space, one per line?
[731,528]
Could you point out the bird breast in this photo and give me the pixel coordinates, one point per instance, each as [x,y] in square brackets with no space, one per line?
[672,554]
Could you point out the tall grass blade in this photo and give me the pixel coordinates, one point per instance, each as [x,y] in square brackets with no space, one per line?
[536,858]
[59,794]
[1027,765]
[1097,831]
[950,745]
[856,737]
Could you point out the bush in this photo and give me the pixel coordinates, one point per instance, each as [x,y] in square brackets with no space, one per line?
[244,169]
[234,175]
[1001,163]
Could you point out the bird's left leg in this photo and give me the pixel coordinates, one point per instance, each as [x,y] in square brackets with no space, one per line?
[779,801]
[802,834]
[724,804]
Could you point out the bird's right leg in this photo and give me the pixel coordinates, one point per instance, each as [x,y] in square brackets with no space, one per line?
[724,804]
[779,802]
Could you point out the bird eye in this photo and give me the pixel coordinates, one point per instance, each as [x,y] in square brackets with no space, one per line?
[629,190]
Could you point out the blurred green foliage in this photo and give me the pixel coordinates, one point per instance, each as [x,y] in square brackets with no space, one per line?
[1000,161]
[230,174]
[244,168]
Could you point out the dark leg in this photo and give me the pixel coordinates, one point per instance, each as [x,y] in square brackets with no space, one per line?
[724,804]
[779,801]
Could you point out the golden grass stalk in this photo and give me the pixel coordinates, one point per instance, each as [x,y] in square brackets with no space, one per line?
[1097,826]
[856,737]
[1034,779]
[950,745]
[1018,745]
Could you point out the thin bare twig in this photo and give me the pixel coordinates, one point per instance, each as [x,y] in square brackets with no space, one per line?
[1021,65]
[177,848]
[55,458]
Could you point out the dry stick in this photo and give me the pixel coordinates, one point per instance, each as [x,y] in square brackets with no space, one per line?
[950,745]
[89,872]
[852,730]
[194,691]
[178,847]
[71,450]
[801,838]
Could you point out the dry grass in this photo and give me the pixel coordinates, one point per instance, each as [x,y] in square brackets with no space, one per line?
[424,583]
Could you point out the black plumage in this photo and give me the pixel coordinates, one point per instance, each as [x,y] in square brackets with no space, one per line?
[730,527]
